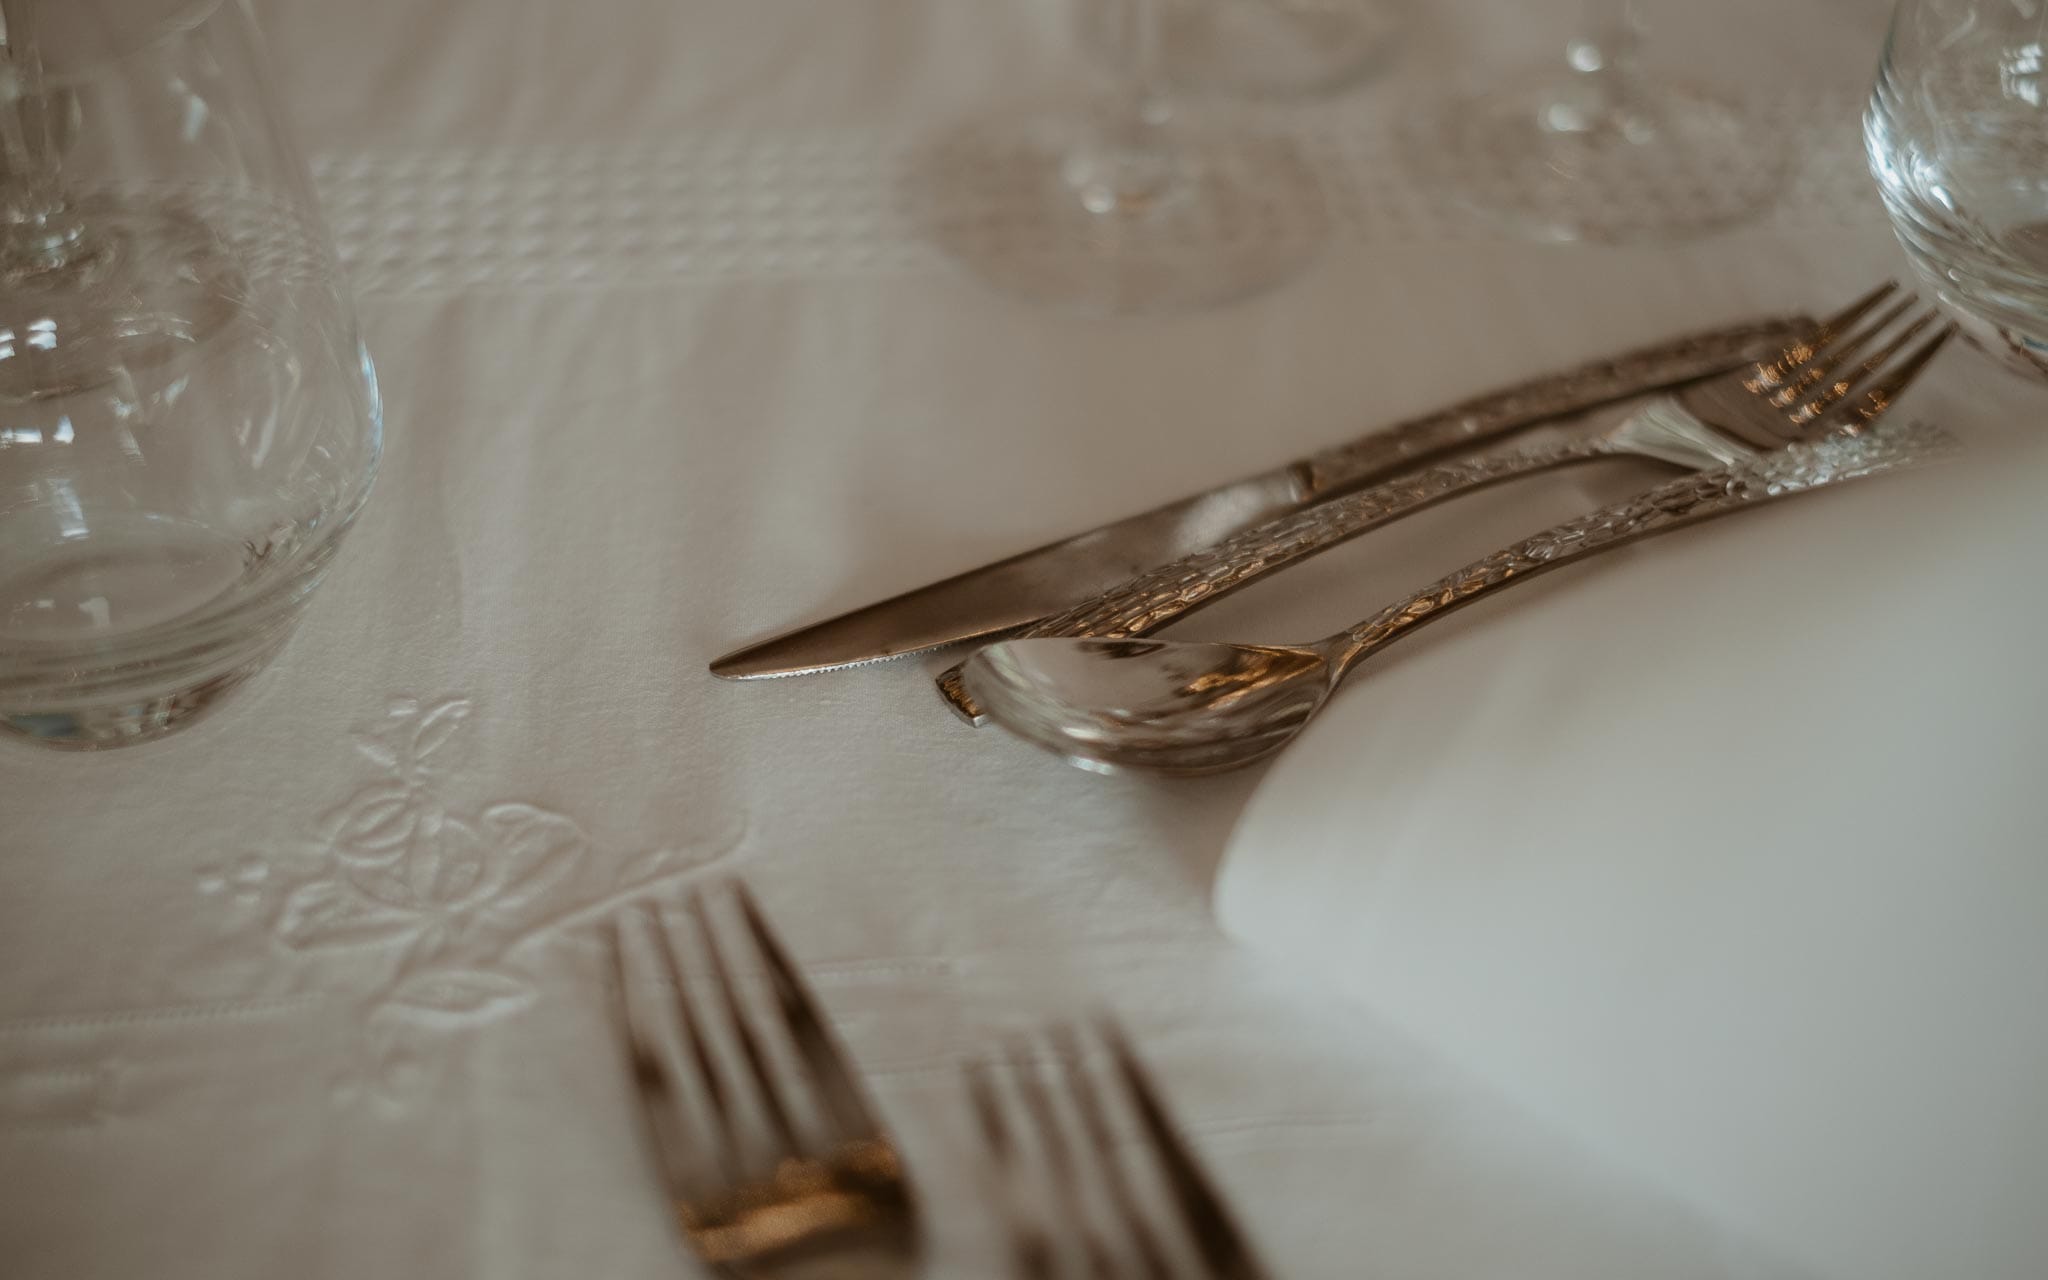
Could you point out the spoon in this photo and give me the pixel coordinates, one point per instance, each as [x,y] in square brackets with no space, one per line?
[1193,708]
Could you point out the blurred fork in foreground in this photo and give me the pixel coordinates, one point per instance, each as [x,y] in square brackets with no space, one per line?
[769,1150]
[1079,1197]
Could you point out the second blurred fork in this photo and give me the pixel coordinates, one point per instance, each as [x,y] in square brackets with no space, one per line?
[1079,1201]
[771,1154]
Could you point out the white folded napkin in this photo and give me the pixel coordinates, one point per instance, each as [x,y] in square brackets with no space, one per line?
[1728,857]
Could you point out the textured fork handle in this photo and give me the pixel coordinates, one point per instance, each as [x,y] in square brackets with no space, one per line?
[1460,428]
[1672,505]
[1149,601]
[1476,422]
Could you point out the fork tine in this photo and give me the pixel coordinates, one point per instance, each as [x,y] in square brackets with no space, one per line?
[659,1103]
[1828,395]
[1094,1118]
[1221,1245]
[1032,1252]
[1774,373]
[995,1132]
[1859,308]
[1844,348]
[1061,1160]
[1038,1103]
[766,1091]
[650,1079]
[845,1108]
[696,1047]
[1873,402]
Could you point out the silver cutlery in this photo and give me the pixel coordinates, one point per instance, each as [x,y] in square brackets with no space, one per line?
[770,1152]
[1079,1200]
[1190,708]
[1800,393]
[1024,588]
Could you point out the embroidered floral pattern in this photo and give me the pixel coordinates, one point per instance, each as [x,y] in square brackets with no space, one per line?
[449,895]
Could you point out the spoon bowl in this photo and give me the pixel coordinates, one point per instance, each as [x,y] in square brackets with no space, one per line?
[1158,705]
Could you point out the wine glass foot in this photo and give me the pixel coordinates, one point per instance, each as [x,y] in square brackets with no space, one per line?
[1543,162]
[143,627]
[1263,49]
[1029,205]
[2020,351]
[126,722]
[148,284]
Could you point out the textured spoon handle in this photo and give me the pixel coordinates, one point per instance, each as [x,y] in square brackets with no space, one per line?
[1172,590]
[1149,601]
[1154,598]
[1672,505]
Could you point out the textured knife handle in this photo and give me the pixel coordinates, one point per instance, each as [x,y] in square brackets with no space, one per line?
[1488,417]
[1169,592]
[1154,598]
[1687,500]
[1158,596]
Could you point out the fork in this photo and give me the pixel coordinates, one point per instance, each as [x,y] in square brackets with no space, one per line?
[769,1150]
[1840,378]
[1156,1219]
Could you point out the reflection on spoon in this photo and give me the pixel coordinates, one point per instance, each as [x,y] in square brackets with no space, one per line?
[1150,704]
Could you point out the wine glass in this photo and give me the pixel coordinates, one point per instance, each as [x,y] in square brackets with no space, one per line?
[188,422]
[1124,205]
[1592,149]
[1957,137]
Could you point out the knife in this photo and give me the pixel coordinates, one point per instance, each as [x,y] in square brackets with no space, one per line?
[1035,584]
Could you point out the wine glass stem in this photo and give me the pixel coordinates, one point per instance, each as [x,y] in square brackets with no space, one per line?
[1145,41]
[1605,57]
[1130,161]
[37,230]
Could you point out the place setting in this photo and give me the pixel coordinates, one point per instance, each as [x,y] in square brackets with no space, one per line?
[1081,684]
[701,640]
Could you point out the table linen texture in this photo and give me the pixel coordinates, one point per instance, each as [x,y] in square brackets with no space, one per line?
[313,988]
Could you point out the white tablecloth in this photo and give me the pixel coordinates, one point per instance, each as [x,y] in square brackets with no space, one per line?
[665,370]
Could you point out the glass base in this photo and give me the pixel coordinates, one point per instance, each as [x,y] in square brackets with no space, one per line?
[144,285]
[130,723]
[1549,164]
[2021,353]
[2020,345]
[1994,285]
[1037,207]
[84,662]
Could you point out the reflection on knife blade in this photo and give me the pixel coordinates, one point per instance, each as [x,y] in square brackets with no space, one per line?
[1016,592]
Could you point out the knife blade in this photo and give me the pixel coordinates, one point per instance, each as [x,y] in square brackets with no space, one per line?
[1015,592]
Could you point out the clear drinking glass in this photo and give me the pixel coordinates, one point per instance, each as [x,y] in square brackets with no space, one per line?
[1596,149]
[188,422]
[1957,135]
[1126,204]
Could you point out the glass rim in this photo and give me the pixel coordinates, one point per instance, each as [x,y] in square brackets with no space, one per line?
[177,19]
